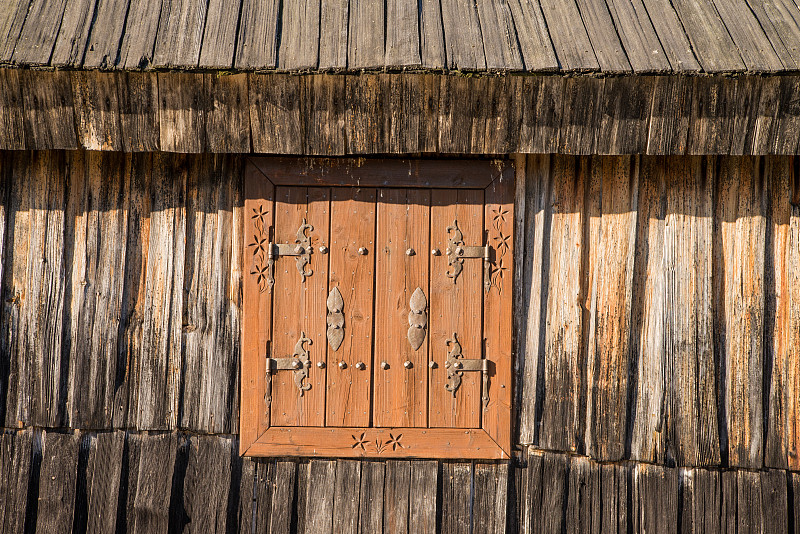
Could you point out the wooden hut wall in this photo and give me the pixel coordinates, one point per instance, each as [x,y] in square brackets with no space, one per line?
[658,378]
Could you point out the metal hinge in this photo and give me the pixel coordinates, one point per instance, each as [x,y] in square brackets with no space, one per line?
[301,249]
[457,251]
[298,362]
[457,365]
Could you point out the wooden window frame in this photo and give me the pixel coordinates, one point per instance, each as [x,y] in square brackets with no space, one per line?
[493,439]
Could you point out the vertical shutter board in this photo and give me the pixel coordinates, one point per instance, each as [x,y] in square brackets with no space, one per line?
[275,114]
[346,495]
[739,256]
[57,481]
[540,99]
[432,45]
[105,469]
[669,115]
[159,353]
[396,494]
[319,500]
[781,295]
[183,107]
[794,485]
[97,109]
[259,217]
[403,222]
[155,467]
[299,39]
[456,497]
[324,114]
[422,498]
[691,400]
[490,500]
[702,506]
[207,483]
[255,497]
[370,506]
[402,34]
[610,298]
[728,509]
[138,40]
[139,112]
[711,117]
[39,32]
[648,317]
[559,410]
[749,506]
[11,113]
[570,40]
[534,39]
[219,38]
[227,118]
[498,312]
[180,34]
[455,308]
[534,277]
[210,324]
[349,390]
[283,496]
[302,306]
[49,121]
[15,478]
[97,209]
[638,36]
[334,16]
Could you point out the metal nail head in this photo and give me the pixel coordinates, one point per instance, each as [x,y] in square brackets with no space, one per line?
[436,252]
[407,364]
[362,251]
[360,366]
[323,249]
[342,365]
[384,365]
[410,252]
[321,365]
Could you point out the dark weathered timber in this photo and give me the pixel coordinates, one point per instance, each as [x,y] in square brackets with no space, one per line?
[97,109]
[183,99]
[11,114]
[48,111]
[397,488]
[766,122]
[150,504]
[102,47]
[624,116]
[219,37]
[207,484]
[744,28]
[422,499]
[39,33]
[710,39]
[456,489]
[490,498]
[346,495]
[227,116]
[138,108]
[711,115]
[568,33]
[138,41]
[583,502]
[57,480]
[654,498]
[402,34]
[180,33]
[73,34]
[15,479]
[299,45]
[275,114]
[542,106]
[103,480]
[11,22]
[370,506]
[781,22]
[669,115]
[462,36]
[326,127]
[745,125]
[581,100]
[788,117]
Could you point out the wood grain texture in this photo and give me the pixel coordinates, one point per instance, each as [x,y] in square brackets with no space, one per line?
[570,39]
[97,110]
[48,111]
[15,479]
[603,35]
[333,28]
[462,36]
[39,32]
[102,47]
[183,104]
[139,112]
[11,112]
[366,35]
[709,37]
[138,40]
[638,36]
[219,35]
[257,43]
[402,34]
[300,35]
[180,33]
[57,481]
[70,45]
[227,115]
[537,52]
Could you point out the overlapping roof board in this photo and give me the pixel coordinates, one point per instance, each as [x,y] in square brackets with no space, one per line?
[601,36]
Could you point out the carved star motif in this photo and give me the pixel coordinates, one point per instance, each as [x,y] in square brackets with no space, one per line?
[503,242]
[360,442]
[260,244]
[499,216]
[261,272]
[394,442]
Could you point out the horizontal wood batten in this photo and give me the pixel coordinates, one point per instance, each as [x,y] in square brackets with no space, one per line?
[438,443]
[407,113]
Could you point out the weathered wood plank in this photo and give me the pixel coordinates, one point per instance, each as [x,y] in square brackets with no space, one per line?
[534,39]
[402,34]
[780,20]
[97,109]
[98,204]
[570,40]
[710,39]
[624,115]
[611,300]
[57,479]
[139,112]
[299,39]
[38,36]
[711,119]
[581,100]
[747,33]
[73,34]
[275,120]
[15,479]
[541,117]
[787,132]
[739,289]
[456,497]
[219,38]
[366,35]
[180,34]
[422,499]
[151,495]
[366,117]
[397,489]
[49,120]
[11,21]
[207,484]
[583,512]
[333,35]
[654,499]
[211,330]
[161,298]
[499,36]
[669,115]
[138,41]
[324,113]
[183,108]
[638,36]
[431,35]
[283,496]
[257,48]
[370,506]
[490,498]
[103,481]
[744,123]
[603,36]
[462,36]
[227,116]
[102,47]
[676,44]
[12,131]
[346,496]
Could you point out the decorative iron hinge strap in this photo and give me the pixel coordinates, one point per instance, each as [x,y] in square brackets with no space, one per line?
[457,365]
[299,362]
[457,251]
[301,249]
